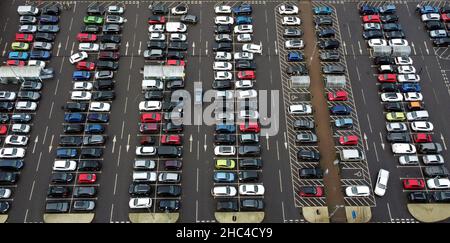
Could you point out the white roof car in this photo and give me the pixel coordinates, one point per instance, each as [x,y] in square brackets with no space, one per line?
[144,176]
[99,106]
[223,20]
[438,33]
[21,128]
[248,114]
[243,84]
[391,97]
[28,28]
[112,19]
[396,127]
[223,191]
[291,20]
[408,160]
[406,69]
[403,148]
[175,27]
[357,191]
[408,78]
[144,164]
[36,63]
[222,66]
[64,165]
[288,9]
[422,126]
[403,61]
[300,109]
[18,140]
[243,56]
[417,115]
[79,56]
[252,48]
[5,193]
[435,159]
[12,153]
[26,106]
[246,94]
[177,37]
[294,44]
[243,28]
[140,202]
[244,37]
[179,10]
[413,96]
[377,42]
[145,150]
[157,36]
[381,183]
[222,9]
[82,86]
[430,17]
[371,26]
[227,94]
[398,42]
[223,75]
[114,9]
[225,150]
[223,56]
[7,95]
[88,47]
[438,183]
[156,28]
[150,106]
[251,189]
[81,95]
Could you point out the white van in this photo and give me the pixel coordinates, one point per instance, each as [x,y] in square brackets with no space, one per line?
[27,10]
[144,176]
[152,84]
[417,115]
[351,155]
[173,27]
[381,184]
[403,148]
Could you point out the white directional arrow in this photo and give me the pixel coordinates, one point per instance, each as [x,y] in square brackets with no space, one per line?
[205,146]
[193,48]
[126,49]
[114,144]
[59,48]
[426,47]
[276,48]
[414,48]
[267,141]
[365,141]
[206,48]
[381,139]
[128,142]
[360,50]
[345,48]
[35,142]
[443,141]
[139,50]
[190,143]
[285,140]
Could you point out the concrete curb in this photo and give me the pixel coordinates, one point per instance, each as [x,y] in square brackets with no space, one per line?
[3,218]
[316,214]
[69,218]
[239,217]
[358,214]
[153,217]
[429,213]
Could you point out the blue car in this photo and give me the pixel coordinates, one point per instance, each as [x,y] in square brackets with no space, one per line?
[410,87]
[295,56]
[94,128]
[340,110]
[66,153]
[427,9]
[48,19]
[40,55]
[223,128]
[81,75]
[243,9]
[388,9]
[244,20]
[98,117]
[344,123]
[224,177]
[18,55]
[324,10]
[368,10]
[74,117]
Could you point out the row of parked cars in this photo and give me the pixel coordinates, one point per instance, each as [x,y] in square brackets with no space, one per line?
[408,128]
[437,22]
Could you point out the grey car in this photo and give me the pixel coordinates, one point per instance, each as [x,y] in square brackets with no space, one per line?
[109,47]
[111,28]
[333,69]
[305,137]
[94,140]
[83,205]
[40,45]
[48,28]
[28,95]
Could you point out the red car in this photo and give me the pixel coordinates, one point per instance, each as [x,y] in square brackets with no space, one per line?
[249,127]
[151,117]
[85,66]
[171,139]
[412,184]
[375,18]
[85,37]
[24,37]
[422,138]
[86,178]
[156,19]
[311,191]
[445,17]
[147,140]
[348,140]
[15,63]
[387,78]
[146,128]
[246,75]
[3,129]
[175,63]
[339,95]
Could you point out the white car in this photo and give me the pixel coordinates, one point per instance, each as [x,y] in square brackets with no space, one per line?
[145,150]
[357,191]
[438,183]
[406,69]
[252,48]
[99,106]
[177,37]
[225,94]
[12,153]
[7,95]
[36,63]
[291,20]
[294,44]
[403,61]
[403,148]
[408,78]
[371,26]
[64,165]
[398,42]
[408,160]
[223,56]
[243,29]
[417,115]
[18,140]
[391,97]
[396,127]
[82,86]
[248,114]
[381,183]
[251,189]
[27,28]
[422,126]
[223,191]
[222,9]
[430,17]
[224,150]
[114,9]
[21,128]
[5,193]
[300,109]
[179,10]
[88,47]
[243,84]
[157,36]
[150,105]
[413,96]
[223,20]
[244,37]
[243,56]
[140,202]
[433,159]
[159,28]
[26,106]
[111,19]
[223,66]
[288,9]
[223,75]
[377,42]
[81,95]
[77,57]
[246,94]
[438,33]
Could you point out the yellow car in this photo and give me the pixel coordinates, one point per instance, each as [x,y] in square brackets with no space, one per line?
[228,164]
[20,46]
[395,116]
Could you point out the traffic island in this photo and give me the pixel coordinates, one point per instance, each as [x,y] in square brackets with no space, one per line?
[69,218]
[429,213]
[316,214]
[239,217]
[358,214]
[3,218]
[153,217]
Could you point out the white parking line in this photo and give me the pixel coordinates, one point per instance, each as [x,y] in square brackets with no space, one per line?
[282,210]
[111,214]
[368,120]
[125,106]
[26,216]
[71,22]
[197,180]
[278,152]
[281,184]
[45,135]
[51,110]
[376,151]
[389,211]
[363,96]
[115,185]
[31,192]
[357,73]
[39,161]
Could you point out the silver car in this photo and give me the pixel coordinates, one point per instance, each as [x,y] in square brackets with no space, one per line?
[40,45]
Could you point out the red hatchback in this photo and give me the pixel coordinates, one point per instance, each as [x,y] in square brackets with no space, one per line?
[24,37]
[246,75]
[85,66]
[339,95]
[3,129]
[175,63]
[375,18]
[85,178]
[387,78]
[151,117]
[85,37]
[171,139]
[422,138]
[15,63]
[311,191]
[155,19]
[348,140]
[249,127]
[445,17]
[412,184]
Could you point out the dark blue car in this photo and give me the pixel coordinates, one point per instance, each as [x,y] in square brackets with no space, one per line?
[243,9]
[81,75]
[243,20]
[98,117]
[368,10]
[48,19]
[323,10]
[295,56]
[427,9]
[388,9]
[74,117]
[410,87]
[40,55]
[340,110]
[66,153]
[94,128]
[223,128]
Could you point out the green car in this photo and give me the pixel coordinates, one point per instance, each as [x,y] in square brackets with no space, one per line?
[20,46]
[93,20]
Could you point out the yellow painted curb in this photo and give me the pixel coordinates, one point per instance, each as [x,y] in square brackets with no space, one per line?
[429,212]
[3,218]
[239,217]
[69,218]
[358,214]
[153,217]
[316,214]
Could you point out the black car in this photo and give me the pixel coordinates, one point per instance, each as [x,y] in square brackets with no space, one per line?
[159,9]
[441,197]
[109,47]
[168,191]
[372,34]
[297,70]
[51,10]
[418,197]
[330,56]
[4,118]
[250,164]
[394,35]
[111,29]
[221,84]
[383,60]
[28,95]
[57,207]
[248,176]
[170,105]
[175,55]
[11,164]
[109,56]
[292,32]
[223,46]
[245,65]
[8,178]
[326,33]
[188,19]
[303,124]
[91,152]
[6,106]
[173,164]
[85,191]
[93,29]
[225,138]
[62,178]
[308,155]
[70,141]
[329,44]
[391,18]
[393,107]
[73,128]
[249,150]
[83,205]
[433,171]
[333,69]
[178,46]
[223,38]
[107,65]
[230,205]
[154,95]
[111,39]
[175,84]
[392,27]
[311,173]
[95,10]
[442,42]
[434,25]
[398,137]
[222,29]
[47,37]
[103,96]
[21,118]
[252,204]
[321,21]
[388,87]
[75,107]
[156,45]
[89,165]
[104,84]
[58,191]
[172,128]
[445,9]
[429,148]
[169,205]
